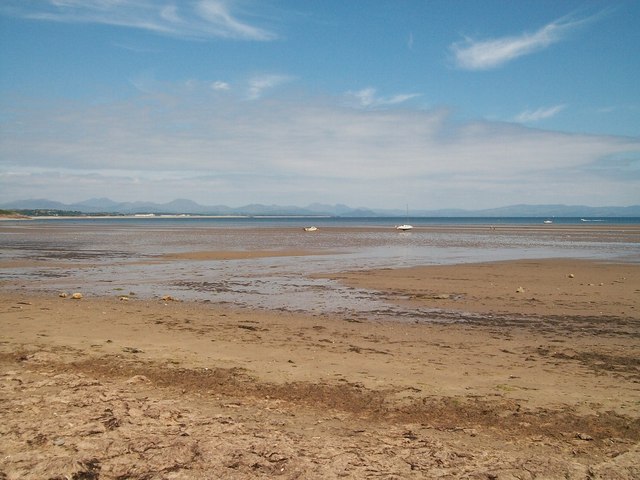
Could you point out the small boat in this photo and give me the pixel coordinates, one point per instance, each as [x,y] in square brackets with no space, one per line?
[404,227]
[548,221]
[310,229]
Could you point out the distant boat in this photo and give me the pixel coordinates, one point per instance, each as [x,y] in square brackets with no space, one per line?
[310,229]
[548,221]
[405,226]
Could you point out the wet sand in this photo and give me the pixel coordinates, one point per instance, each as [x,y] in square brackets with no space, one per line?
[547,287]
[525,369]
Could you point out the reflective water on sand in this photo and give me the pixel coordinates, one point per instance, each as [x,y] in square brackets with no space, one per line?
[115,259]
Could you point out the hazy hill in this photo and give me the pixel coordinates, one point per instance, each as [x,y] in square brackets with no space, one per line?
[184,206]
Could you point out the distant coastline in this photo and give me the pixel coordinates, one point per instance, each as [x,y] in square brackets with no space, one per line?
[187,208]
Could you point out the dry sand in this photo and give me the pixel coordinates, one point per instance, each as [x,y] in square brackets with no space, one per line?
[541,381]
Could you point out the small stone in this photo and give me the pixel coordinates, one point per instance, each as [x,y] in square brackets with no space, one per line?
[131,350]
[138,379]
[63,294]
[76,296]
[571,275]
[442,296]
[584,436]
[168,298]
[58,441]
[520,290]
[124,298]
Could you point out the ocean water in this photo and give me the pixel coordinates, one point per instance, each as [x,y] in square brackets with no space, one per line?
[121,255]
[294,221]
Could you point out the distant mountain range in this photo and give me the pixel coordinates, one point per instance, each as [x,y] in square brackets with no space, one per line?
[182,206]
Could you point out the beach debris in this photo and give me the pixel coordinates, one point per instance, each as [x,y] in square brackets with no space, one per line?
[168,298]
[138,379]
[123,298]
[571,275]
[76,296]
[131,350]
[63,294]
[520,290]
[584,436]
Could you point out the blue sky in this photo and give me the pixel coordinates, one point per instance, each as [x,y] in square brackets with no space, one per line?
[379,103]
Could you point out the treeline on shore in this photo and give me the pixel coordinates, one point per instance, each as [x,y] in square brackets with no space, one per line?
[45,212]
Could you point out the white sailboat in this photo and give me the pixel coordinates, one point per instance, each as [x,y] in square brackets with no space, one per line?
[405,226]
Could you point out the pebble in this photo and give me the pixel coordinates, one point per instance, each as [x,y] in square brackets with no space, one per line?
[131,350]
[76,296]
[520,290]
[571,275]
[63,294]
[138,379]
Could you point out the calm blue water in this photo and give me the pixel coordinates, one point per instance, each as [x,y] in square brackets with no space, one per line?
[253,222]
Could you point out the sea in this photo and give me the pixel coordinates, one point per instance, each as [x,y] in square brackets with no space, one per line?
[127,256]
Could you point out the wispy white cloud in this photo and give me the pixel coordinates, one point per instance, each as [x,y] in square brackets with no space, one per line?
[541,113]
[300,150]
[192,20]
[217,13]
[259,84]
[486,54]
[367,98]
[220,86]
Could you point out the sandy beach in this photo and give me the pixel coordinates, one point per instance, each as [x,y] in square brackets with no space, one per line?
[522,369]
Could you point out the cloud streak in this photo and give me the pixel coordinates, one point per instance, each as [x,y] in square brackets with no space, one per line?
[261,83]
[201,19]
[541,113]
[487,54]
[367,98]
